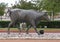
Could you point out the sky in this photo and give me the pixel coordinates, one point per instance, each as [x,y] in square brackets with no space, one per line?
[9,2]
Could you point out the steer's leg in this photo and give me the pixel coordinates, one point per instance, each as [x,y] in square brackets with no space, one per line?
[34,25]
[19,28]
[9,27]
[28,29]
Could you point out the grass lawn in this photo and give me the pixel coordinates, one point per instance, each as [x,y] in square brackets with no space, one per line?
[32,28]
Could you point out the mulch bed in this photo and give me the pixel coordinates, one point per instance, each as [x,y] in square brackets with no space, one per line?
[32,31]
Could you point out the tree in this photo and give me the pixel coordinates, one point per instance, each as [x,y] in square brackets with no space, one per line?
[48,5]
[25,5]
[38,3]
[2,9]
[51,5]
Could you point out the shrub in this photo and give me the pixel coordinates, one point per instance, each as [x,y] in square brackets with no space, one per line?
[51,24]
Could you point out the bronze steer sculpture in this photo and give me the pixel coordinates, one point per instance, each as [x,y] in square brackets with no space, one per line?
[30,16]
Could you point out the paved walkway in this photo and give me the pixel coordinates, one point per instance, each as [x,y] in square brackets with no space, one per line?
[29,40]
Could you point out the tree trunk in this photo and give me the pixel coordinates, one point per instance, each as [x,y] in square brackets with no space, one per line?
[53,15]
[0,18]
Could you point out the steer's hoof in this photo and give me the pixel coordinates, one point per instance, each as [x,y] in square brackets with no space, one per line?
[38,33]
[8,32]
[41,31]
[27,33]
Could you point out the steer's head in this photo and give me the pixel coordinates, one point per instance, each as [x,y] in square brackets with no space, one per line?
[45,16]
[7,12]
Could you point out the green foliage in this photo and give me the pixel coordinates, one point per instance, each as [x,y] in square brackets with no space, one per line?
[39,4]
[1,12]
[4,23]
[51,5]
[52,24]
[2,8]
[25,5]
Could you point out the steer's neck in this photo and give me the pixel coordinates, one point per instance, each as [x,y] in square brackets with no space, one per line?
[40,14]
